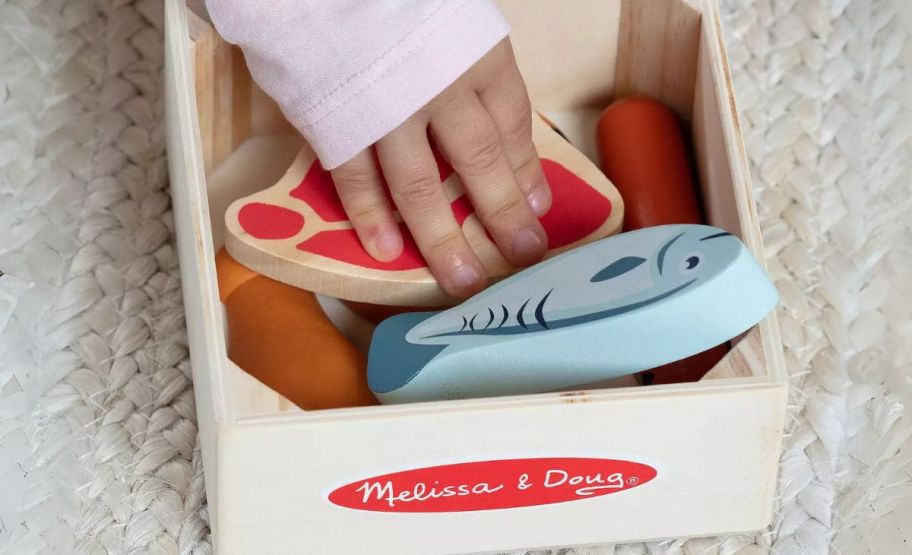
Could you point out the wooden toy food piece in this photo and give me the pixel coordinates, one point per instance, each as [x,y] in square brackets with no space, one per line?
[689,369]
[376,313]
[297,232]
[230,274]
[644,153]
[280,335]
[618,306]
[550,123]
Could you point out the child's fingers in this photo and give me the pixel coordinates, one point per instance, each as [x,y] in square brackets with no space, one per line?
[360,189]
[414,181]
[508,103]
[470,141]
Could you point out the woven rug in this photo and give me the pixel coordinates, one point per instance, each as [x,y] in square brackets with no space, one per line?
[97,426]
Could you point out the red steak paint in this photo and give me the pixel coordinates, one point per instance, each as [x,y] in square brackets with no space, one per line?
[267,221]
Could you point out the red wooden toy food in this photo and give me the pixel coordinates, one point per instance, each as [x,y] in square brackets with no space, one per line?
[280,335]
[297,232]
[644,153]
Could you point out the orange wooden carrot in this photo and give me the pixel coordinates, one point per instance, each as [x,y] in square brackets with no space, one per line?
[644,153]
[376,313]
[230,274]
[280,335]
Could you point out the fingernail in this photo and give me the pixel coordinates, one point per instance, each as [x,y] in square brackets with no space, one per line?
[385,242]
[388,243]
[539,200]
[463,276]
[527,245]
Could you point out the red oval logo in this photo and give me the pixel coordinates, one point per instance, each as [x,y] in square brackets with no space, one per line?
[488,485]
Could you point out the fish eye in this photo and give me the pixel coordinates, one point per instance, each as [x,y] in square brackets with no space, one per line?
[691,261]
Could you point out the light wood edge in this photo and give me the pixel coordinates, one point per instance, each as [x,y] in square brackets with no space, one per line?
[180,52]
[668,42]
[223,93]
[582,397]
[198,7]
[224,90]
[187,167]
[253,397]
[745,355]
[734,151]
[284,263]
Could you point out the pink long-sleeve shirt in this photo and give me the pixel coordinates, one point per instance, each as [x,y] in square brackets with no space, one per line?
[347,72]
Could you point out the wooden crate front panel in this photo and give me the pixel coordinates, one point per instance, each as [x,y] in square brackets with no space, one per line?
[715,451]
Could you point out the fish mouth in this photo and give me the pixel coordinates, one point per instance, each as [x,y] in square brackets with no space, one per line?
[566,322]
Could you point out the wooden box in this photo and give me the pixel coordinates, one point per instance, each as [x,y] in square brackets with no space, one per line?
[679,460]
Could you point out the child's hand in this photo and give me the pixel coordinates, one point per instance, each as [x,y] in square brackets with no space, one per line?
[482,125]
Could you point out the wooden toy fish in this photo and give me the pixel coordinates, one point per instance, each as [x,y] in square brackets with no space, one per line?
[614,307]
[657,190]
[296,231]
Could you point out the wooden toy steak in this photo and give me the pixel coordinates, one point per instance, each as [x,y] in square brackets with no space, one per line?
[297,232]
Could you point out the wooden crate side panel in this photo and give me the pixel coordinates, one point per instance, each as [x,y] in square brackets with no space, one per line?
[198,7]
[723,181]
[223,93]
[566,65]
[657,51]
[716,453]
[252,397]
[231,107]
[266,117]
[746,359]
[723,166]
[186,169]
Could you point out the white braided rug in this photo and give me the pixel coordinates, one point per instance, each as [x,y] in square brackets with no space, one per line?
[97,426]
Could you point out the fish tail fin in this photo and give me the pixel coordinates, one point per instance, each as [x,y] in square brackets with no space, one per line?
[392,361]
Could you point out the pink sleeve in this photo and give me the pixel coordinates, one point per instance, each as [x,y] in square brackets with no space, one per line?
[347,72]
